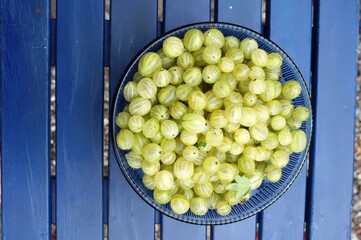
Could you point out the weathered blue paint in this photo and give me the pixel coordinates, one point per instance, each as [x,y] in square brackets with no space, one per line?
[334,73]
[79,56]
[79,86]
[244,13]
[176,14]
[25,100]
[285,218]
[245,230]
[247,14]
[176,230]
[133,25]
[181,12]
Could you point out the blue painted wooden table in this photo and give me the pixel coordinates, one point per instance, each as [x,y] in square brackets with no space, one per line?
[320,37]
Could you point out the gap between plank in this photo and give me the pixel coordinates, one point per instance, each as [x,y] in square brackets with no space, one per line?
[160,10]
[105,230]
[52,121]
[213,11]
[53,231]
[53,9]
[157,231]
[107,10]
[106,123]
[264,12]
[209,232]
[266,9]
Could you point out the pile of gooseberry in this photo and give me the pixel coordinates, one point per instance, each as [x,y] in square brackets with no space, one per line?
[208,120]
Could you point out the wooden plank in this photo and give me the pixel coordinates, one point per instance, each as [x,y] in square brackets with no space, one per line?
[285,218]
[25,120]
[182,12]
[129,216]
[176,14]
[248,14]
[244,13]
[174,229]
[334,92]
[245,228]
[79,119]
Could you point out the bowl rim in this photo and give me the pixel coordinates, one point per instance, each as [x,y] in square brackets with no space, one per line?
[117,94]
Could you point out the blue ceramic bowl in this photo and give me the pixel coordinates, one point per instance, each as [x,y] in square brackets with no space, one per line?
[268,192]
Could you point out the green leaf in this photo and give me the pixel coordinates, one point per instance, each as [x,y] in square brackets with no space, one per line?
[242,186]
[238,179]
[233,187]
[241,194]
[201,144]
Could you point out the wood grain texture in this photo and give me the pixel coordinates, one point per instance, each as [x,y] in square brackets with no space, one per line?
[25,101]
[176,14]
[176,230]
[334,93]
[244,13]
[243,230]
[182,12]
[285,218]
[79,119]
[129,216]
[247,14]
